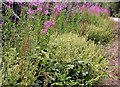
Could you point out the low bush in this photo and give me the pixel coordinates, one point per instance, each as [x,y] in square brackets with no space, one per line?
[72,61]
[100,35]
[68,47]
[99,29]
[19,70]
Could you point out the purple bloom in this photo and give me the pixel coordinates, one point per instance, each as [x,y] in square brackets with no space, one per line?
[47,25]
[58,7]
[46,12]
[77,6]
[8,6]
[70,5]
[63,5]
[96,4]
[105,11]
[34,2]
[87,4]
[2,23]
[30,11]
[47,6]
[98,10]
[83,7]
[0,10]
[43,31]
[10,1]
[39,9]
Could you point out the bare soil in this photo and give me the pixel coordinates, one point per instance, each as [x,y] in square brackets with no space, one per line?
[112,55]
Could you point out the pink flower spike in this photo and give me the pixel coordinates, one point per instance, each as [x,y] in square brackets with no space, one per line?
[46,12]
[2,23]
[43,31]
[39,9]
[47,25]
[70,5]
[8,6]
[30,11]
[47,6]
[10,1]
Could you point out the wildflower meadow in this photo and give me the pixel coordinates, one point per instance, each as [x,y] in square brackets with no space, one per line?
[55,44]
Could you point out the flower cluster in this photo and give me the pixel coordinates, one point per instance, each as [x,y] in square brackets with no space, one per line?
[47,25]
[30,11]
[58,7]
[47,6]
[69,5]
[98,10]
[44,7]
[39,9]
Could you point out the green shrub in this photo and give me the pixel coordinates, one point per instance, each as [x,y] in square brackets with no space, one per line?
[114,7]
[101,35]
[19,70]
[69,47]
[98,28]
[73,61]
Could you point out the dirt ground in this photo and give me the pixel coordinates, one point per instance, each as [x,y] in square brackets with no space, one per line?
[112,55]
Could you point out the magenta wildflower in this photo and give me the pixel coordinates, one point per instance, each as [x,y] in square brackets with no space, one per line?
[46,12]
[83,7]
[58,7]
[47,25]
[8,6]
[77,7]
[47,6]
[105,11]
[39,9]
[10,1]
[98,10]
[69,5]
[63,4]
[2,23]
[30,11]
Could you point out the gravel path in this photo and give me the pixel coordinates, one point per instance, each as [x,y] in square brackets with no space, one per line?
[113,56]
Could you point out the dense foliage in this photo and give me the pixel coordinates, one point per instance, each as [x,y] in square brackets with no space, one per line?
[115,9]
[59,44]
